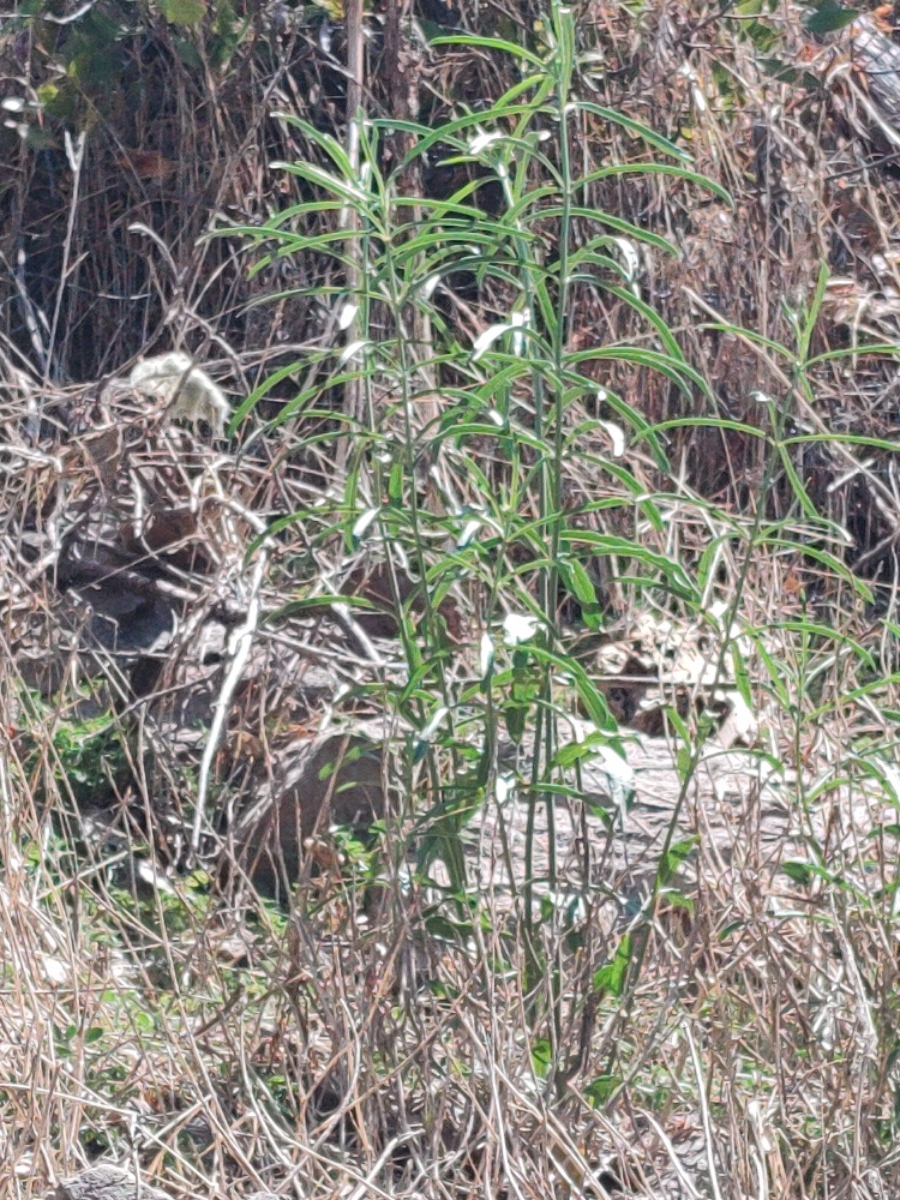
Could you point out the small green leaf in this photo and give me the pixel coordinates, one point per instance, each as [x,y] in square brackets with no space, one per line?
[674,858]
[578,583]
[445,930]
[730,928]
[541,1057]
[683,761]
[516,719]
[829,16]
[799,872]
[188,53]
[184,12]
[676,899]
[599,1090]
[395,484]
[805,872]
[741,675]
[610,979]
[37,138]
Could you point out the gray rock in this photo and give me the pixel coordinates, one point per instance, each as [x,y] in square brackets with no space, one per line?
[105,1182]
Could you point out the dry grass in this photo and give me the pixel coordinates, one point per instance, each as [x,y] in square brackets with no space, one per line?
[381,1034]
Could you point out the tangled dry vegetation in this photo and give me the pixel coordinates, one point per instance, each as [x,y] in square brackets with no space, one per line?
[285,902]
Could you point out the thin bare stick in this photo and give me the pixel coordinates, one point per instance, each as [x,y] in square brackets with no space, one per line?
[75,155]
[242,643]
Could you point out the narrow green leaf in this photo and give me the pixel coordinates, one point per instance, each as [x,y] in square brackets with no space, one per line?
[470,41]
[577,581]
[611,978]
[541,1057]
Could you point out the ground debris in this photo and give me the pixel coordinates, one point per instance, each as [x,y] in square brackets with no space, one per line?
[106,1182]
